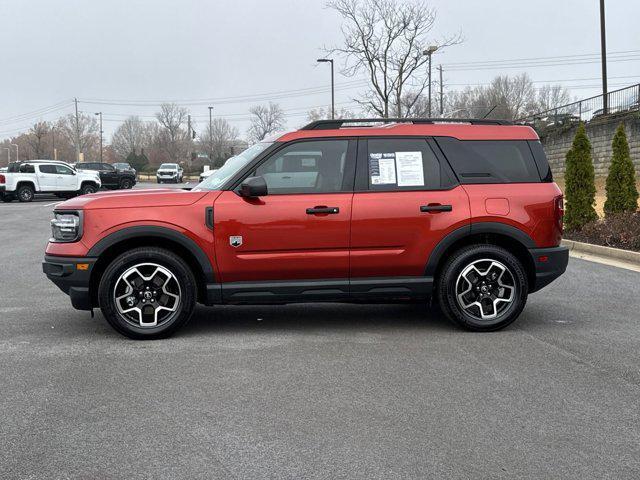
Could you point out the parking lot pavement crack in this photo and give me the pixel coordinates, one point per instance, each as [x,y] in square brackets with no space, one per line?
[609,373]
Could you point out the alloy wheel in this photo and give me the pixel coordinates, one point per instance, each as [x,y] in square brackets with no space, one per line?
[147,295]
[485,289]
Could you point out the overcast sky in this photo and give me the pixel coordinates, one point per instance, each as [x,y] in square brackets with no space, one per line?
[128,51]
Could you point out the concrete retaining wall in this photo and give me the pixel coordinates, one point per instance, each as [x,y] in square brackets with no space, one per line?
[600,131]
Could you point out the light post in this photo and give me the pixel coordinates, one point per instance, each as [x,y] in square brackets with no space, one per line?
[17,152]
[8,155]
[100,114]
[428,52]
[333,104]
[603,50]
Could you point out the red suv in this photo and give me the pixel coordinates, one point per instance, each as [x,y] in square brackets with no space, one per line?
[464,212]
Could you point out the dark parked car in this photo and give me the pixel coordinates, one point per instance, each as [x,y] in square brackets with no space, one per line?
[125,167]
[110,176]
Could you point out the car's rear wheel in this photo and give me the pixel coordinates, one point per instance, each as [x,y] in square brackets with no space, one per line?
[25,193]
[7,198]
[147,293]
[125,184]
[482,287]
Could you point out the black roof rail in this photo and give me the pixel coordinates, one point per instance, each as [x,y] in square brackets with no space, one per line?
[335,124]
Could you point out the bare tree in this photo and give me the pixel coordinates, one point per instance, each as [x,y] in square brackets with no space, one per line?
[552,96]
[218,140]
[130,136]
[88,136]
[37,138]
[385,39]
[172,119]
[265,120]
[507,98]
[325,113]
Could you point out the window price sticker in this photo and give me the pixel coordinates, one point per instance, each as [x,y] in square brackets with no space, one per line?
[382,168]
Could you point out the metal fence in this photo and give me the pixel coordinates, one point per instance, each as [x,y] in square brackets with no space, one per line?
[619,101]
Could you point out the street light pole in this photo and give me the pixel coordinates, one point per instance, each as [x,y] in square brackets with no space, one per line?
[333,97]
[100,114]
[428,52]
[603,49]
[17,152]
[8,155]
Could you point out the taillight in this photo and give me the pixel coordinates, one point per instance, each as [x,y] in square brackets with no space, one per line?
[3,179]
[559,211]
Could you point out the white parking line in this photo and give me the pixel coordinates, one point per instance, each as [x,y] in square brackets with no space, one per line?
[52,204]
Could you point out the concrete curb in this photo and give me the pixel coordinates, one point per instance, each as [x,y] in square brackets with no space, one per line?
[617,254]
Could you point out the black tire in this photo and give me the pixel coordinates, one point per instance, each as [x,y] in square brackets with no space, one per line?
[125,184]
[7,198]
[451,282]
[183,276]
[159,181]
[25,193]
[88,188]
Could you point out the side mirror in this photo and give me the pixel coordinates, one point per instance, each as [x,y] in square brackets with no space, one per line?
[253,187]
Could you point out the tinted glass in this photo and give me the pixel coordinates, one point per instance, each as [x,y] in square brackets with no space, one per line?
[106,166]
[541,161]
[62,170]
[306,167]
[402,164]
[47,168]
[490,161]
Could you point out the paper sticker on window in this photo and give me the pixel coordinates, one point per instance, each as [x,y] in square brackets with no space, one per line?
[410,169]
[382,168]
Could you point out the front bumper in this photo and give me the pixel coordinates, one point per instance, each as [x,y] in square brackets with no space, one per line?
[549,264]
[70,275]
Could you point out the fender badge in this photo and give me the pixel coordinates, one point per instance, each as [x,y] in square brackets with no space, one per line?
[235,240]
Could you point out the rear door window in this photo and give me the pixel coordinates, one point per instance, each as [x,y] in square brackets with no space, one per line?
[402,164]
[47,169]
[490,161]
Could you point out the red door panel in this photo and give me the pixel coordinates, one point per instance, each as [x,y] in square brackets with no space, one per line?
[391,237]
[280,240]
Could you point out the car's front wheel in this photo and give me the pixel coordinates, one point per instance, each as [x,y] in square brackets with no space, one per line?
[482,287]
[125,184]
[147,293]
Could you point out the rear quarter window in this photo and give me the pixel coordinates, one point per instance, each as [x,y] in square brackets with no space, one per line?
[490,161]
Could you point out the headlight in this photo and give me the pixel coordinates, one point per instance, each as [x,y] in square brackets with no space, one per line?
[66,226]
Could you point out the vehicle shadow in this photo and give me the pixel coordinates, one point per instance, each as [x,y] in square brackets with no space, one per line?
[311,317]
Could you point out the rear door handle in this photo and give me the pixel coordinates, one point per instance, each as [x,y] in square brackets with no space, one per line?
[325,210]
[436,208]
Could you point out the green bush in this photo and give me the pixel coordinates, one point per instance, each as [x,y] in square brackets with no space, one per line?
[622,193]
[139,162]
[580,188]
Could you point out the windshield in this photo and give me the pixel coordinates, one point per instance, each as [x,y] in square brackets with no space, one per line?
[232,166]
[168,166]
[122,165]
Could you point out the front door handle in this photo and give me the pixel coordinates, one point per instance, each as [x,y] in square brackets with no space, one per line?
[435,207]
[322,210]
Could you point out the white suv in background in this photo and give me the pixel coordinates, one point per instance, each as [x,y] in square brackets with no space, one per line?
[169,172]
[46,176]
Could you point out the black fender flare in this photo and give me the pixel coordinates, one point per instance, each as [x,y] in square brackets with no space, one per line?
[152,231]
[474,229]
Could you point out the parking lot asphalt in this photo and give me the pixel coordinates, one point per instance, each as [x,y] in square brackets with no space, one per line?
[317,391]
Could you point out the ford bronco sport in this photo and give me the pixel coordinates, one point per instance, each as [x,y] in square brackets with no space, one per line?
[462,212]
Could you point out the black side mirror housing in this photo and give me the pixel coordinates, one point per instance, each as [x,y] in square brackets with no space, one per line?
[254,187]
